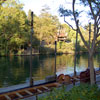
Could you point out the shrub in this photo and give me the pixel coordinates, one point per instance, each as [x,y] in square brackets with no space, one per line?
[81,92]
[65,47]
[84,92]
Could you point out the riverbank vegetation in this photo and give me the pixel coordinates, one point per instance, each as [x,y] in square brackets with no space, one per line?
[81,92]
[15,31]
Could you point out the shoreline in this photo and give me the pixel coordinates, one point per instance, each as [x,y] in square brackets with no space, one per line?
[45,54]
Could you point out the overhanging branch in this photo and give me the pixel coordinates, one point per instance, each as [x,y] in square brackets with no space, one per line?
[69,24]
[77,21]
[98,35]
[96,47]
[98,42]
[92,10]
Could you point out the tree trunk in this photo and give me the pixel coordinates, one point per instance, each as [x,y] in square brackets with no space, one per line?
[75,53]
[92,74]
[89,43]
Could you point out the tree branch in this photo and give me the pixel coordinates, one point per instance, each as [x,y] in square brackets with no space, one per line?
[73,7]
[91,9]
[69,24]
[98,20]
[98,45]
[98,35]
[95,27]
[77,21]
[97,42]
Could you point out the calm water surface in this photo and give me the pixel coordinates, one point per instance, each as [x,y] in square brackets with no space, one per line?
[16,70]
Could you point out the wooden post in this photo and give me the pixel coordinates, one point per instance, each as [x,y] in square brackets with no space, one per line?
[31,79]
[89,43]
[55,56]
[75,52]
[55,47]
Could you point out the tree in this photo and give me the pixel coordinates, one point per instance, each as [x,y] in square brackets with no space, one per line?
[94,14]
[13,26]
[46,26]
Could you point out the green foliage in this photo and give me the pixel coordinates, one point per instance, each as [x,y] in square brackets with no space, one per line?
[45,26]
[56,94]
[81,92]
[84,92]
[13,28]
[47,49]
[69,45]
[15,32]
[64,47]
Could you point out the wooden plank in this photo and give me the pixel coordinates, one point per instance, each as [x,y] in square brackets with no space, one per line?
[37,90]
[45,87]
[28,92]
[19,95]
[7,97]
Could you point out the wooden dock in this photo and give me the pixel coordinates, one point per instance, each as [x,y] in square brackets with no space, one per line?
[28,92]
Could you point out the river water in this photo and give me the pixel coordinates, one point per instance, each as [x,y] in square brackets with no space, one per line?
[15,70]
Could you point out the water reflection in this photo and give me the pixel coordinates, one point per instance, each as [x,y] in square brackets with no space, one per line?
[16,70]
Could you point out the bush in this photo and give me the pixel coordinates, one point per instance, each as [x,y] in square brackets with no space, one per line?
[46,50]
[84,92]
[81,92]
[65,47]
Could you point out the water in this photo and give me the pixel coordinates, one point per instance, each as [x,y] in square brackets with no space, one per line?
[15,70]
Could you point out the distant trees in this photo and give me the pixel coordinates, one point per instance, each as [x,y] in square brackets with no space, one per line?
[15,27]
[12,26]
[46,26]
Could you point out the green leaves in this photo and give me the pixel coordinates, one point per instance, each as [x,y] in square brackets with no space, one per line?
[81,92]
[45,27]
[15,27]
[12,25]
